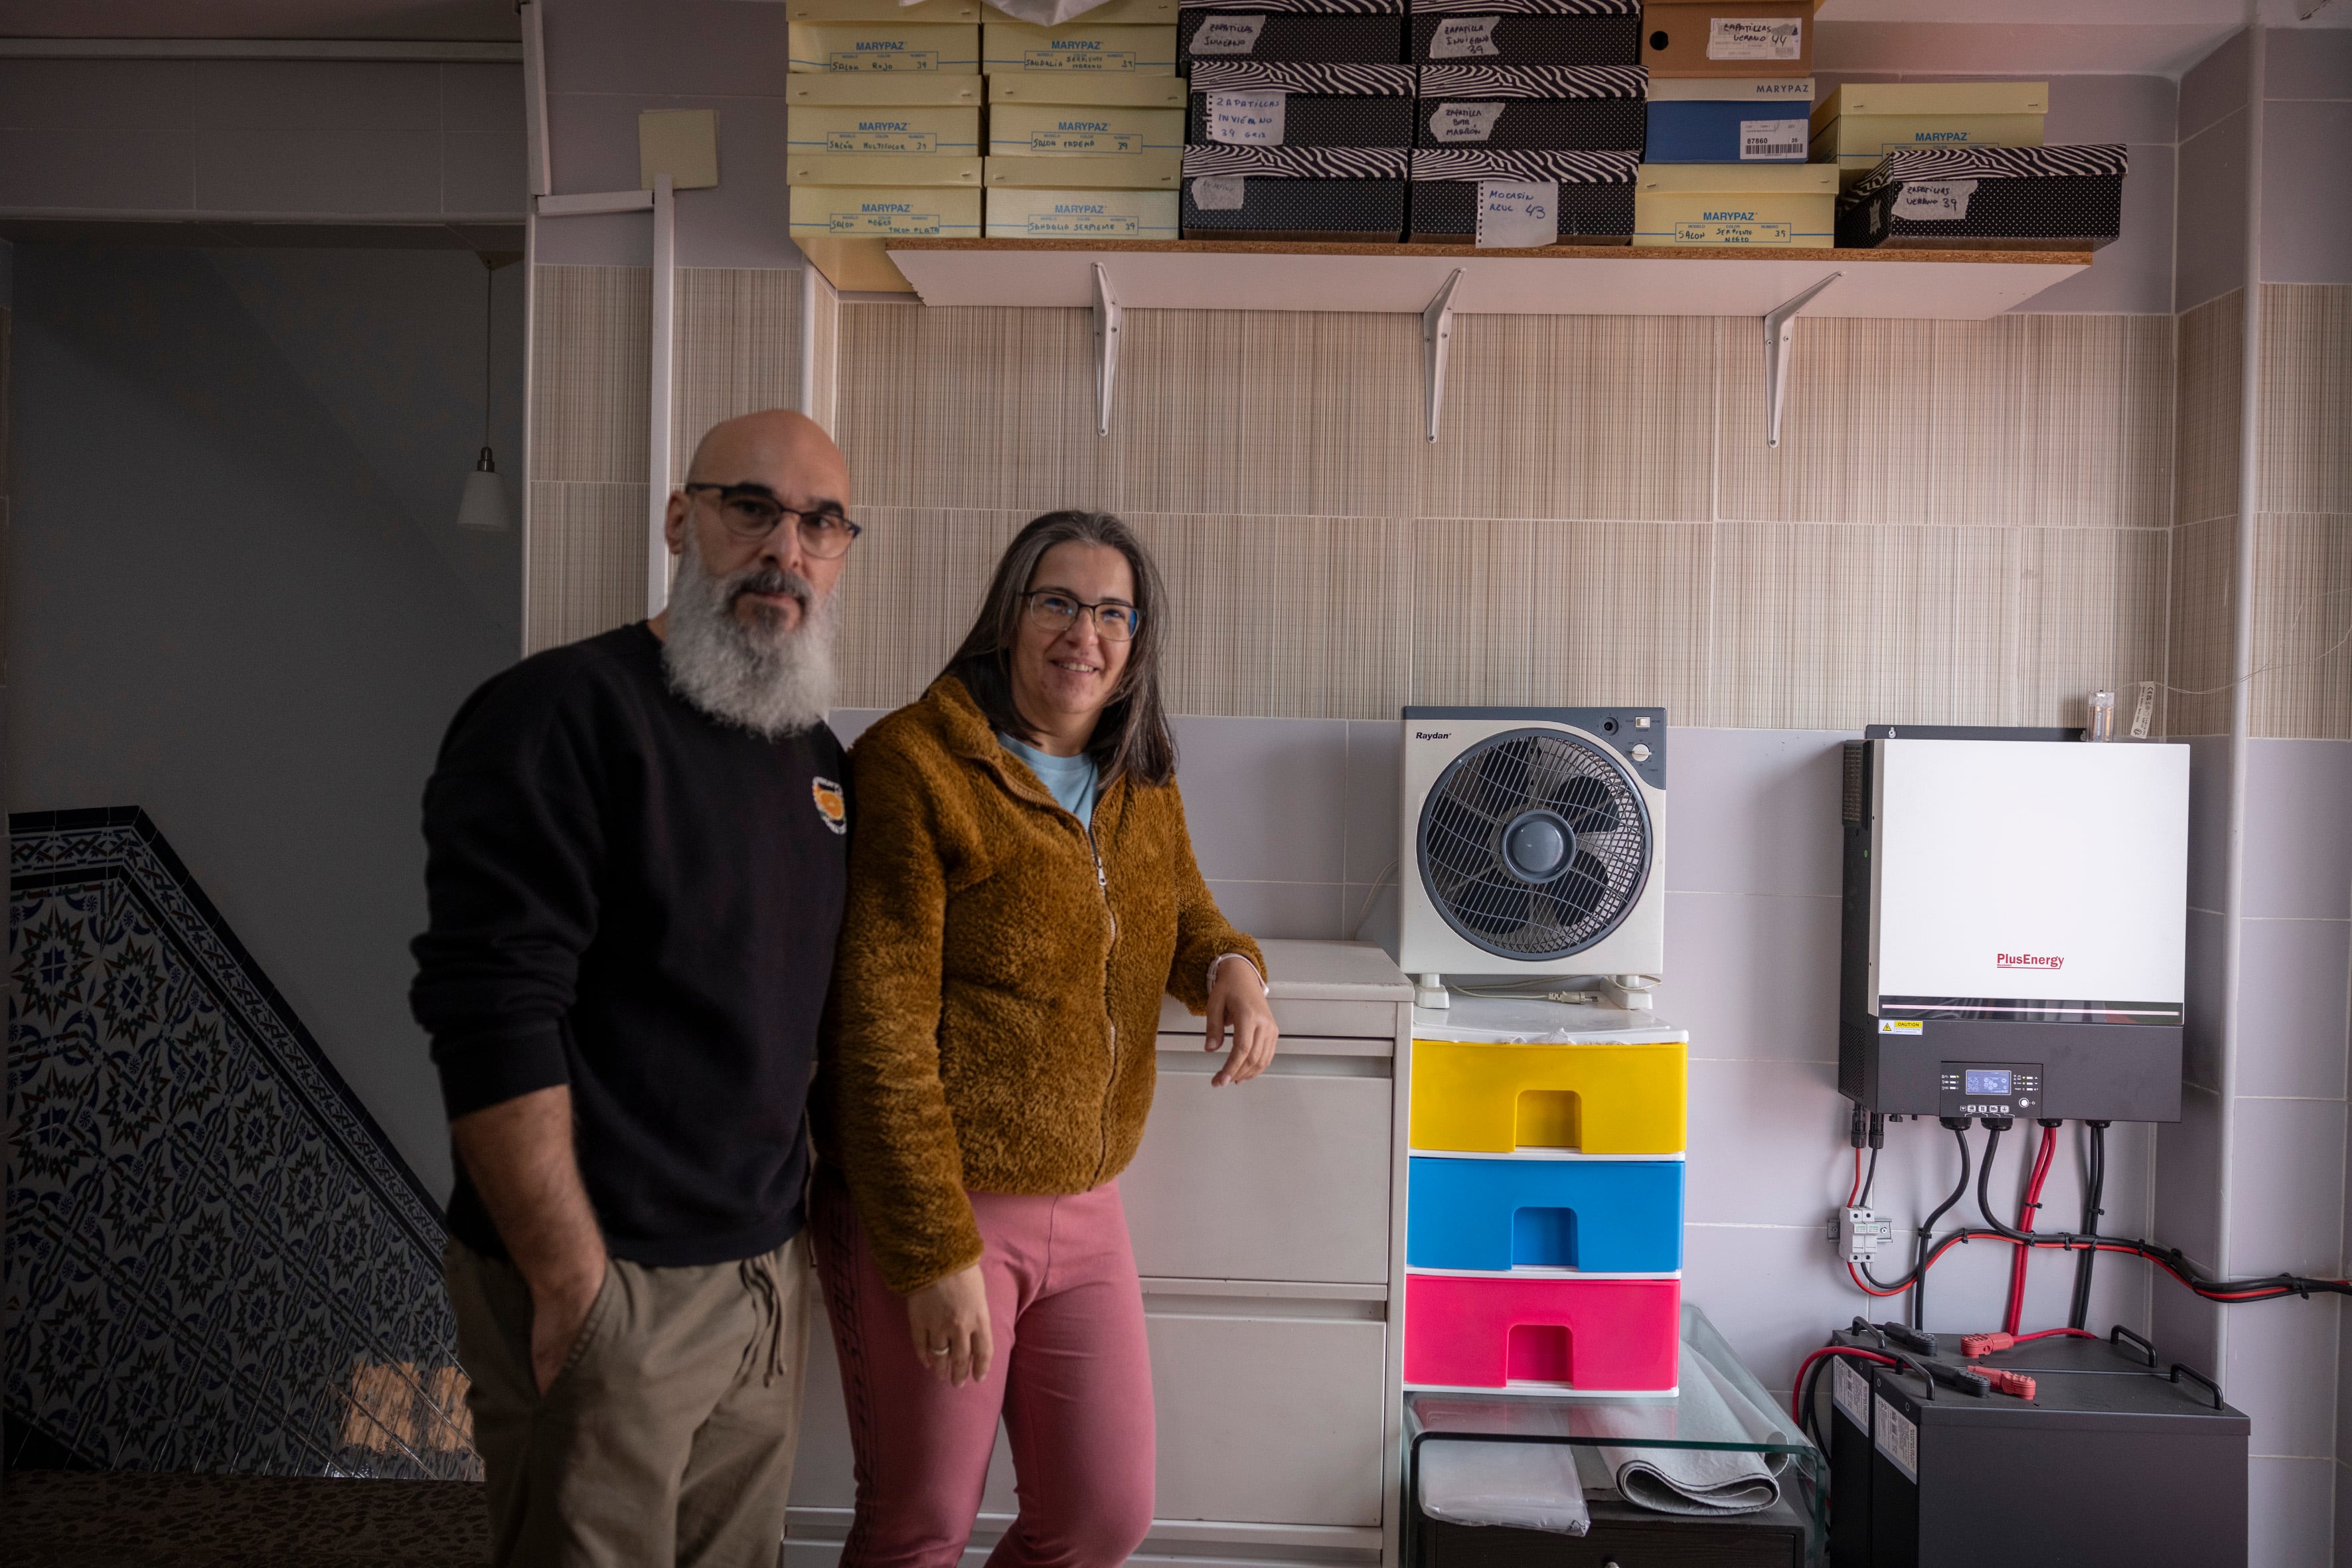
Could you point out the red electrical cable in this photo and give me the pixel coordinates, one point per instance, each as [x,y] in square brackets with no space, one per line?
[1854,1191]
[1798,1392]
[2046,1333]
[2025,1210]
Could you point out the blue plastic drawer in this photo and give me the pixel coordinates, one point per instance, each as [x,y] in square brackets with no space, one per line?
[1599,1215]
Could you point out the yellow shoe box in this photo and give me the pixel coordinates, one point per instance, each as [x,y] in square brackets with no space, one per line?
[814,129]
[880,48]
[1863,121]
[1014,214]
[1077,49]
[884,169]
[1146,172]
[1088,87]
[878,89]
[1083,131]
[885,212]
[1111,13]
[1790,204]
[926,11]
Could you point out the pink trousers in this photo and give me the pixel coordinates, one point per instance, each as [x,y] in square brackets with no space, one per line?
[1071,1378]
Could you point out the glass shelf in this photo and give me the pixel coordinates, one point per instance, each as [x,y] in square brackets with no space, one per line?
[1744,1419]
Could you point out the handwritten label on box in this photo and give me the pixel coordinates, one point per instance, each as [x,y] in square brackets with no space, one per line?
[1463,38]
[1228,34]
[1465,121]
[1219,193]
[1761,39]
[1247,119]
[1516,213]
[1934,201]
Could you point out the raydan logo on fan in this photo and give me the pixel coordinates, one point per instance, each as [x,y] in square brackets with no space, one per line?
[2027,960]
[1432,734]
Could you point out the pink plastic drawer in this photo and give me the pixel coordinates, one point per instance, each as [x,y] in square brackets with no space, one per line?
[1463,1331]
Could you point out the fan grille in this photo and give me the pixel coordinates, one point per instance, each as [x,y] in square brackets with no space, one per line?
[1496,864]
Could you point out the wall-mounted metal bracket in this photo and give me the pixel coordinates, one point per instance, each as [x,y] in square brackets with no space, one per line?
[662,365]
[1436,337]
[1780,344]
[1109,316]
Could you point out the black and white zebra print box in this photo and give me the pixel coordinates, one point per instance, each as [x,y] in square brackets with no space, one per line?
[1524,32]
[1321,105]
[1596,192]
[1306,32]
[1294,192]
[1594,109]
[1996,198]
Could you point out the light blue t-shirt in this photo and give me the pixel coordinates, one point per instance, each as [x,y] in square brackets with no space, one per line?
[1070,780]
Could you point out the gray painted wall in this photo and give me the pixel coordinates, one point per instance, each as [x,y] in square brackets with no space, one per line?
[235,598]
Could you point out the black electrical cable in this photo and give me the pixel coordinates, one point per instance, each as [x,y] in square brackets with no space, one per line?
[1869,1180]
[1928,1227]
[2094,1191]
[2268,1288]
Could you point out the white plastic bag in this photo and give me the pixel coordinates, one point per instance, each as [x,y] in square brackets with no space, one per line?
[1045,13]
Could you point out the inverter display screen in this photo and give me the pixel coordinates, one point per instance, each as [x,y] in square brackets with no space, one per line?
[1986,1080]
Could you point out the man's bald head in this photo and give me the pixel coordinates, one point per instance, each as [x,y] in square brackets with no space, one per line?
[787,452]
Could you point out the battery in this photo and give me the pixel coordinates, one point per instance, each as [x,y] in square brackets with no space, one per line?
[2119,1457]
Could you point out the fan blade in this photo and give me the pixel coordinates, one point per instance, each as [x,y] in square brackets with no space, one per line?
[1494,906]
[1505,778]
[1456,837]
[1583,890]
[1586,803]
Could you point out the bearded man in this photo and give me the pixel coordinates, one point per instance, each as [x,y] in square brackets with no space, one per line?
[636,872]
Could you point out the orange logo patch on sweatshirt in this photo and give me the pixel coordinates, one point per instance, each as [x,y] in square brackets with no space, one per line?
[831,804]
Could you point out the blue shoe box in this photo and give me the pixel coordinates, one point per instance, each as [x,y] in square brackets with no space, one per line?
[1762,122]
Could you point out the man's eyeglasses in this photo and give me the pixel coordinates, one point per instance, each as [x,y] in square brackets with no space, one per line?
[752,512]
[1057,612]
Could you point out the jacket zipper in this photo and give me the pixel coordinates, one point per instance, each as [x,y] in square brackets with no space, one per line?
[1110,917]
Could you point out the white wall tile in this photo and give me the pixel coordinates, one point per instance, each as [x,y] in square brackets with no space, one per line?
[2201,1036]
[1263,796]
[2306,192]
[2214,86]
[97,95]
[2299,829]
[1753,975]
[96,167]
[1755,811]
[1374,828]
[2189,1178]
[1303,909]
[2210,244]
[2279,1354]
[2286,1198]
[1767,1141]
[2293,1015]
[319,95]
[2290,1506]
[2139,109]
[362,173]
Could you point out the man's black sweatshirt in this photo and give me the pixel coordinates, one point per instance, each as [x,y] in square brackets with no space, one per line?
[632,898]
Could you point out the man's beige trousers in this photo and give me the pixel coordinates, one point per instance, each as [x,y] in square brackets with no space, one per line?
[669,1435]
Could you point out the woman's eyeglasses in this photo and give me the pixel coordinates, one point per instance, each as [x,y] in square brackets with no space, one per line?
[1057,612]
[752,512]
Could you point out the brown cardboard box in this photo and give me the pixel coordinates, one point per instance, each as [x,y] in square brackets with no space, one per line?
[1727,37]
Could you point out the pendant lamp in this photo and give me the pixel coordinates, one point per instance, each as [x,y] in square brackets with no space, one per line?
[483,507]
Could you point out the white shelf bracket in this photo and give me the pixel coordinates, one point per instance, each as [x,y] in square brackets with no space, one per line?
[1780,344]
[1436,337]
[1109,317]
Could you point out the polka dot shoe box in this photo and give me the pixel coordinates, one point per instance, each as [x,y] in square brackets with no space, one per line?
[1307,32]
[1249,103]
[1294,192]
[2021,198]
[1595,109]
[1595,197]
[1524,32]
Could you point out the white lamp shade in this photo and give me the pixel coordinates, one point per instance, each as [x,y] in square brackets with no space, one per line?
[484,506]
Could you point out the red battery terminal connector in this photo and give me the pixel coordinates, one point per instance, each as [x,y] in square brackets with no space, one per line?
[1974,1345]
[2014,1383]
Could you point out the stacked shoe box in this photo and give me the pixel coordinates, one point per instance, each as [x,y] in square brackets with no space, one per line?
[1529,126]
[1863,122]
[1730,94]
[883,118]
[1544,1199]
[1300,122]
[1085,124]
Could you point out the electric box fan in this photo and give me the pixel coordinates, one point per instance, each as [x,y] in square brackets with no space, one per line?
[1531,847]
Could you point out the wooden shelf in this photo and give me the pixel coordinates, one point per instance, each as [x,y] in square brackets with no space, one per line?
[1574,281]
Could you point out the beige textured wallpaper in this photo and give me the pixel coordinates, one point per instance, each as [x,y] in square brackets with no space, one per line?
[1967,522]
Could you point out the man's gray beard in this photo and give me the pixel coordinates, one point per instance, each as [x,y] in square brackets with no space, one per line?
[764,677]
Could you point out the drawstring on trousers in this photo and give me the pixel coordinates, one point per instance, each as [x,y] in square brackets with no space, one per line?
[759,1277]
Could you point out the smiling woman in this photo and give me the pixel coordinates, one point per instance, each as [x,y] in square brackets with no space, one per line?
[1022,889]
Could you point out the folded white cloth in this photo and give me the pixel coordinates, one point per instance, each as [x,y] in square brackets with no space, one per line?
[1530,1486]
[1698,1481]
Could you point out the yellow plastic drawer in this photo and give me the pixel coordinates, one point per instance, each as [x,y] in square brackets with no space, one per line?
[1601,1098]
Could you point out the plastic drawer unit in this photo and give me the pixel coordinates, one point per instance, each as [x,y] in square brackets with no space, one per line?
[1610,1216]
[1512,1332]
[1613,1097]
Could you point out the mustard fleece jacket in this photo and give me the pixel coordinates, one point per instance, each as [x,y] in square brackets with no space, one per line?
[996,995]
